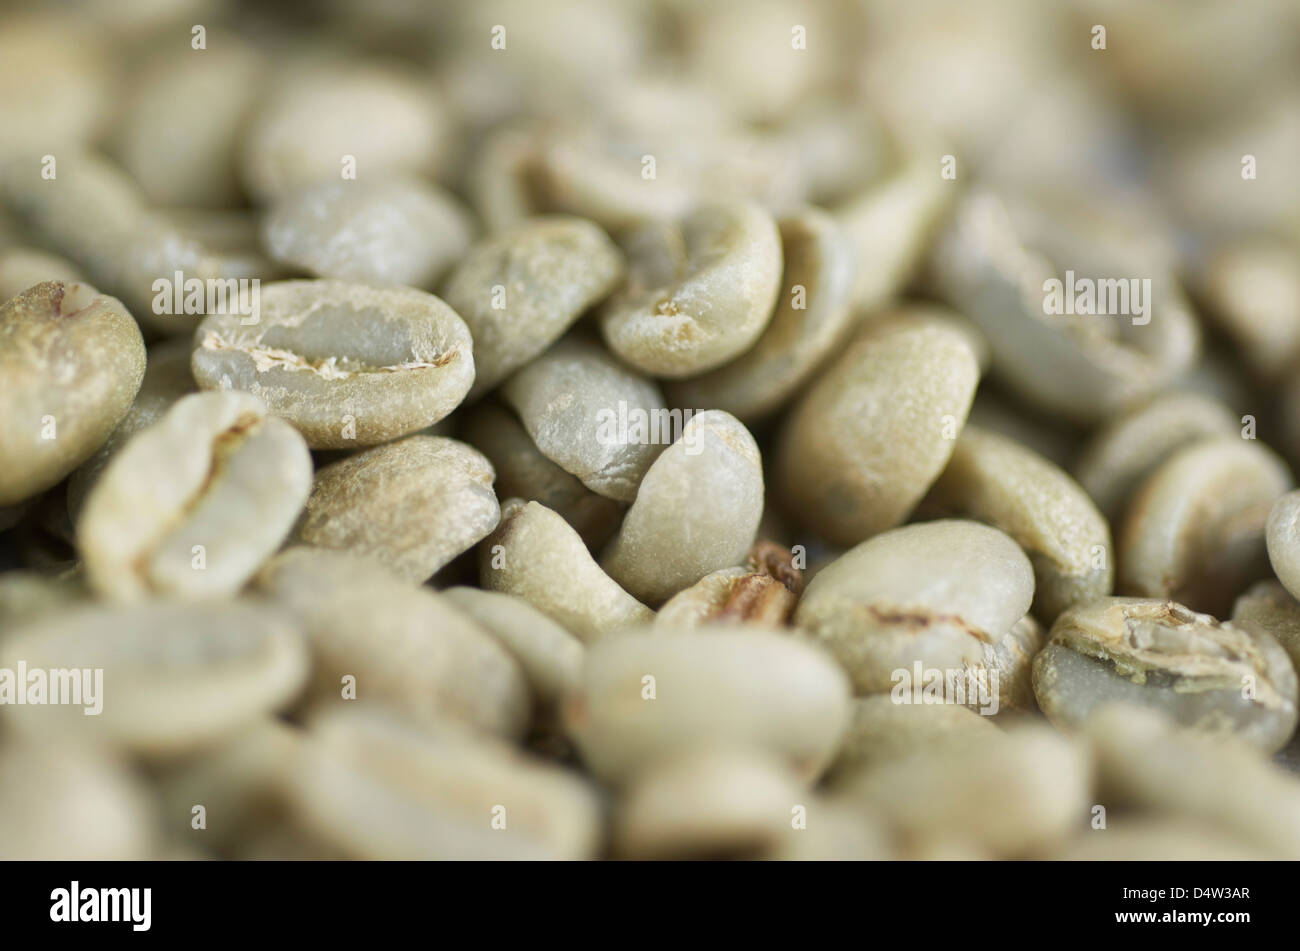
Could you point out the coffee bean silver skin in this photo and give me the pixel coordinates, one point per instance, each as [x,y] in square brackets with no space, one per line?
[1209,676]
[192,505]
[519,290]
[71,362]
[936,593]
[347,364]
[698,292]
[411,505]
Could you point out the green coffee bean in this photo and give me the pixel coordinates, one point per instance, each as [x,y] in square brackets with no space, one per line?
[881,729]
[382,232]
[934,594]
[1195,530]
[71,363]
[861,447]
[376,640]
[1209,676]
[411,505]
[1254,292]
[654,693]
[1270,608]
[996,480]
[521,288]
[536,555]
[304,358]
[581,407]
[698,292]
[21,268]
[1283,539]
[813,316]
[193,504]
[696,510]
[763,592]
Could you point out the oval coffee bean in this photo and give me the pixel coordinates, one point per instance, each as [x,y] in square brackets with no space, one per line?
[1283,539]
[21,268]
[411,505]
[996,480]
[882,729]
[192,505]
[696,510]
[168,676]
[1209,676]
[699,291]
[383,232]
[377,790]
[1124,453]
[348,365]
[591,416]
[934,594]
[651,694]
[537,556]
[71,362]
[813,316]
[520,289]
[378,640]
[1195,530]
[1270,608]
[863,445]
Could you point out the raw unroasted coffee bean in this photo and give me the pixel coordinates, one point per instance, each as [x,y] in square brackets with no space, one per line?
[1144,763]
[1209,676]
[1016,793]
[71,361]
[654,693]
[371,232]
[1283,539]
[378,790]
[520,289]
[349,365]
[709,803]
[813,316]
[411,505]
[175,675]
[550,656]
[882,729]
[698,293]
[70,803]
[378,640]
[763,592]
[859,450]
[1270,608]
[167,378]
[21,268]
[1195,530]
[193,504]
[536,555]
[1253,289]
[524,472]
[319,115]
[696,510]
[1124,453]
[935,594]
[56,69]
[592,416]
[998,481]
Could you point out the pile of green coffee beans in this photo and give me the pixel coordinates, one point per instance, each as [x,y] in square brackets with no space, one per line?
[649,429]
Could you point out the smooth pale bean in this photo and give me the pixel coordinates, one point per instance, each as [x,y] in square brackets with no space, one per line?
[1212,677]
[22,267]
[536,555]
[696,510]
[377,790]
[400,231]
[572,400]
[519,290]
[1195,530]
[936,593]
[176,675]
[71,362]
[349,365]
[1269,607]
[193,504]
[1123,453]
[654,693]
[1282,534]
[863,445]
[813,316]
[699,291]
[994,479]
[411,505]
[881,729]
[406,648]
[1253,291]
